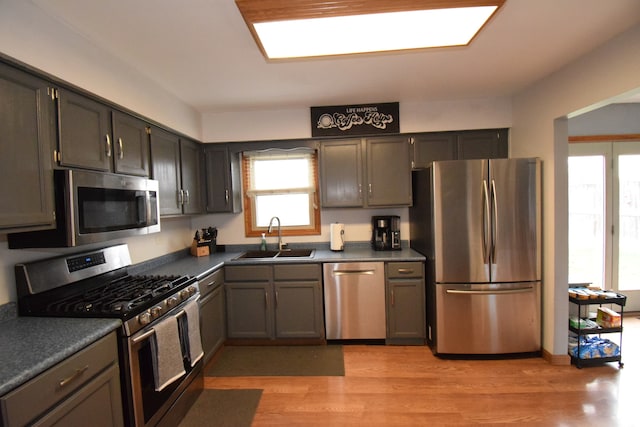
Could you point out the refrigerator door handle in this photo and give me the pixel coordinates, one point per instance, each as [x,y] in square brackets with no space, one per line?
[486,255]
[508,291]
[494,225]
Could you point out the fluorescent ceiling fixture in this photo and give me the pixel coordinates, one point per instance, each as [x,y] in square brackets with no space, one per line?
[308,28]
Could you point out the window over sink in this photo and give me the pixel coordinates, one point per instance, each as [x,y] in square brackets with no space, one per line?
[281,183]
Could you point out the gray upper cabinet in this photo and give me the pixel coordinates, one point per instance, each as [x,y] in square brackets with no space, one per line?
[192,174]
[27,139]
[165,168]
[94,136]
[463,145]
[223,179]
[388,172]
[433,146]
[177,165]
[131,144]
[372,172]
[341,173]
[483,144]
[85,132]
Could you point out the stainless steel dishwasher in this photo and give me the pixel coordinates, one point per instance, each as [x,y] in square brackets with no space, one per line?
[354,300]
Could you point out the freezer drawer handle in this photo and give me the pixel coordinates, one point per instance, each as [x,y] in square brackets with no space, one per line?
[509,291]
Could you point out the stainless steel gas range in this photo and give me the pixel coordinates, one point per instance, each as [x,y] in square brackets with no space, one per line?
[155,310]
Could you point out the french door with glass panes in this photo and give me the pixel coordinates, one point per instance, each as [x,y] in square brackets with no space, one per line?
[604,217]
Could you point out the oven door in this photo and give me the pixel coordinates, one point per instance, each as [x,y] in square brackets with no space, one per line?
[149,406]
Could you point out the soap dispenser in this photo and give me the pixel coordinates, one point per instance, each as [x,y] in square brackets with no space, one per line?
[263,243]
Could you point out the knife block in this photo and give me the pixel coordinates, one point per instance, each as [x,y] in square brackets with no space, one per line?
[200,248]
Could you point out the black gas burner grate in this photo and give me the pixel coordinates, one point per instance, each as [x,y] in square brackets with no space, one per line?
[130,293]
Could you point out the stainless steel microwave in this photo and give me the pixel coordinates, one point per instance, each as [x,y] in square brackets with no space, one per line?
[94,207]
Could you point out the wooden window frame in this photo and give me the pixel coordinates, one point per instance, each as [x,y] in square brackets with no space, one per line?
[249,205]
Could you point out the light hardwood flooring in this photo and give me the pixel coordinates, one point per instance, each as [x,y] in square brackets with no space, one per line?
[408,386]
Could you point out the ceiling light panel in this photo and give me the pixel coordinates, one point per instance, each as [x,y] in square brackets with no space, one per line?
[306,28]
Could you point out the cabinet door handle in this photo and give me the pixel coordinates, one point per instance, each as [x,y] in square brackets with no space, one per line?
[276,299]
[121,148]
[370,189]
[108,146]
[266,299]
[187,199]
[180,197]
[226,196]
[70,378]
[393,298]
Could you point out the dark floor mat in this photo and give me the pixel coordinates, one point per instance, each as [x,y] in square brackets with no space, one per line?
[222,408]
[321,360]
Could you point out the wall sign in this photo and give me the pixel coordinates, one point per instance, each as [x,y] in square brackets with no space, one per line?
[355,120]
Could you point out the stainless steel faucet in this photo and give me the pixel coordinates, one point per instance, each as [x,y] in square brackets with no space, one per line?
[279,234]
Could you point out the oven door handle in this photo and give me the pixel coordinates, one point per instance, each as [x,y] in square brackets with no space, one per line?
[151,332]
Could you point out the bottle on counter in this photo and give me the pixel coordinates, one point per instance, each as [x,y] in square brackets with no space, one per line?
[263,243]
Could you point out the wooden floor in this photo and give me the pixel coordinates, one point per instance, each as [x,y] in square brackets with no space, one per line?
[408,386]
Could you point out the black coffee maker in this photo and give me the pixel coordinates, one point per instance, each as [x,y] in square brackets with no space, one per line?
[386,233]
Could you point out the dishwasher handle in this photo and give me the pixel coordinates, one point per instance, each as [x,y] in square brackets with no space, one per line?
[353,272]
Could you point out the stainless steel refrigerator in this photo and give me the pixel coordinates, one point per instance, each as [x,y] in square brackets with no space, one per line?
[478,222]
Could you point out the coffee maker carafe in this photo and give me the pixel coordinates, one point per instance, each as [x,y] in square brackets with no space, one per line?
[386,233]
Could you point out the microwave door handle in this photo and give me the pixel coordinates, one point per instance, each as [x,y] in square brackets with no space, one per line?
[148,207]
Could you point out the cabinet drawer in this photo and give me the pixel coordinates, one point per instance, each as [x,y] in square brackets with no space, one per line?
[41,393]
[400,270]
[211,282]
[247,273]
[297,272]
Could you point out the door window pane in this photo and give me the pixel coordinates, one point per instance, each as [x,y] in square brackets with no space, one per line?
[586,220]
[629,222]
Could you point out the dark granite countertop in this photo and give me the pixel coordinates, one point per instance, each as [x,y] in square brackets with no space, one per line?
[199,267]
[31,345]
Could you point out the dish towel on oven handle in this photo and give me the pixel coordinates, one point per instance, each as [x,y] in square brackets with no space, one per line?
[190,331]
[166,353]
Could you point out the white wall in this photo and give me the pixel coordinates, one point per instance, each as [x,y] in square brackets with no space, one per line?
[614,119]
[295,123]
[540,128]
[30,36]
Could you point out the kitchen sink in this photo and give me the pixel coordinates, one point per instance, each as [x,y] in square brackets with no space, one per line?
[295,253]
[284,253]
[259,254]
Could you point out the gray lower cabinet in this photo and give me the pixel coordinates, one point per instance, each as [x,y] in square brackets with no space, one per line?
[213,319]
[95,136]
[371,172]
[83,389]
[28,135]
[298,301]
[177,165]
[405,288]
[274,301]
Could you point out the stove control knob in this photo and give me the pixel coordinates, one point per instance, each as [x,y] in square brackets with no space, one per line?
[184,294]
[191,290]
[144,318]
[172,302]
[155,312]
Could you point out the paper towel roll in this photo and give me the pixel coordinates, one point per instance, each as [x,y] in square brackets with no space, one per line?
[337,236]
